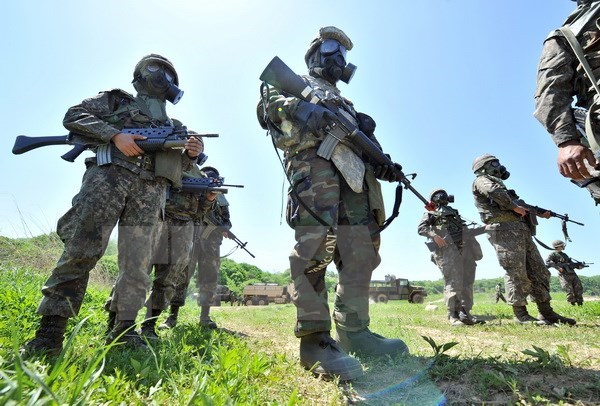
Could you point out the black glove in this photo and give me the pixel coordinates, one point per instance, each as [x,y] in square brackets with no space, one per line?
[366,124]
[311,116]
[391,173]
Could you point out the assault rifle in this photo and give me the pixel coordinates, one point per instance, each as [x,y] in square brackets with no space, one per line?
[459,236]
[574,263]
[339,128]
[531,219]
[239,242]
[203,185]
[158,139]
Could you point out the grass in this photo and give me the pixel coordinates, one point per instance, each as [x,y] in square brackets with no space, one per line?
[254,361]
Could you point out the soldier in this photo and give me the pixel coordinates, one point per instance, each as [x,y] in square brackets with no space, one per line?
[208,237]
[178,239]
[499,291]
[560,78]
[511,237]
[335,208]
[456,255]
[127,187]
[569,280]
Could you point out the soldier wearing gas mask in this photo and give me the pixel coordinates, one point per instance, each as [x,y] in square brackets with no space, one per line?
[511,237]
[122,185]
[455,255]
[568,61]
[335,208]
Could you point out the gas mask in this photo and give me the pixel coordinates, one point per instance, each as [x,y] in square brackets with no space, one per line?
[156,81]
[330,62]
[442,199]
[495,169]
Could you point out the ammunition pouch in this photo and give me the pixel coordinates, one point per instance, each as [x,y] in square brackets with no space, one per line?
[144,162]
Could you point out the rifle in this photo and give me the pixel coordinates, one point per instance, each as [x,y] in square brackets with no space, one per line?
[459,236]
[574,263]
[158,139]
[279,75]
[202,185]
[239,242]
[535,210]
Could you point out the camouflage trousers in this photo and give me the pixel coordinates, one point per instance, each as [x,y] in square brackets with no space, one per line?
[206,256]
[526,273]
[171,262]
[571,284]
[109,195]
[458,269]
[349,242]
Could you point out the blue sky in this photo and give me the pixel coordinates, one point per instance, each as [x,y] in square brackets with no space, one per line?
[445,80]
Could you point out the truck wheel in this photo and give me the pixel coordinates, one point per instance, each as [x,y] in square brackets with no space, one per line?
[262,302]
[249,302]
[417,298]
[382,298]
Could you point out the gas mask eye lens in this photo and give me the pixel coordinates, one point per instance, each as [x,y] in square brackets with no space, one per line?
[330,46]
[169,76]
[495,164]
[152,68]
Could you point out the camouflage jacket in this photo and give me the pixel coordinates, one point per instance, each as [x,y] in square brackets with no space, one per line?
[557,257]
[443,222]
[561,77]
[495,204]
[104,115]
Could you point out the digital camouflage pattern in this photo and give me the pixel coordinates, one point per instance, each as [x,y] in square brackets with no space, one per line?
[205,260]
[526,273]
[126,193]
[456,261]
[569,280]
[560,78]
[109,195]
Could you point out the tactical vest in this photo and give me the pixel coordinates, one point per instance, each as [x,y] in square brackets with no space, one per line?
[489,210]
[447,219]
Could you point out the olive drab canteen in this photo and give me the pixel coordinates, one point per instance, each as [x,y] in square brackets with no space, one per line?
[329,32]
[558,243]
[154,58]
[480,161]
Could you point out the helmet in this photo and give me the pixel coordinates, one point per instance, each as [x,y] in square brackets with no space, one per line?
[329,32]
[154,58]
[481,160]
[558,243]
[210,171]
[436,191]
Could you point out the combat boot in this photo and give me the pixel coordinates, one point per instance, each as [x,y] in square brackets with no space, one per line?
[49,337]
[467,318]
[523,317]
[124,332]
[455,320]
[148,329]
[171,321]
[208,323]
[110,322]
[320,353]
[548,315]
[365,343]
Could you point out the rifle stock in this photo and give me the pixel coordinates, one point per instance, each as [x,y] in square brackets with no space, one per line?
[279,75]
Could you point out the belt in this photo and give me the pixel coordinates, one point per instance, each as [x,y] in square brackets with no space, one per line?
[145,162]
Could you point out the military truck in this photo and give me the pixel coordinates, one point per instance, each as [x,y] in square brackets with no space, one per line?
[223,294]
[262,294]
[393,288]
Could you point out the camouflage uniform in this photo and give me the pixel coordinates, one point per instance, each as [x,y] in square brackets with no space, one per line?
[126,192]
[177,240]
[569,280]
[499,295]
[352,217]
[208,236]
[561,77]
[457,260]
[526,273]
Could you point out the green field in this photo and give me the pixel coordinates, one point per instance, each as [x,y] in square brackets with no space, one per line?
[253,359]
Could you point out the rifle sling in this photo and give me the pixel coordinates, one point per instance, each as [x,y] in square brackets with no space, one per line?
[542,244]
